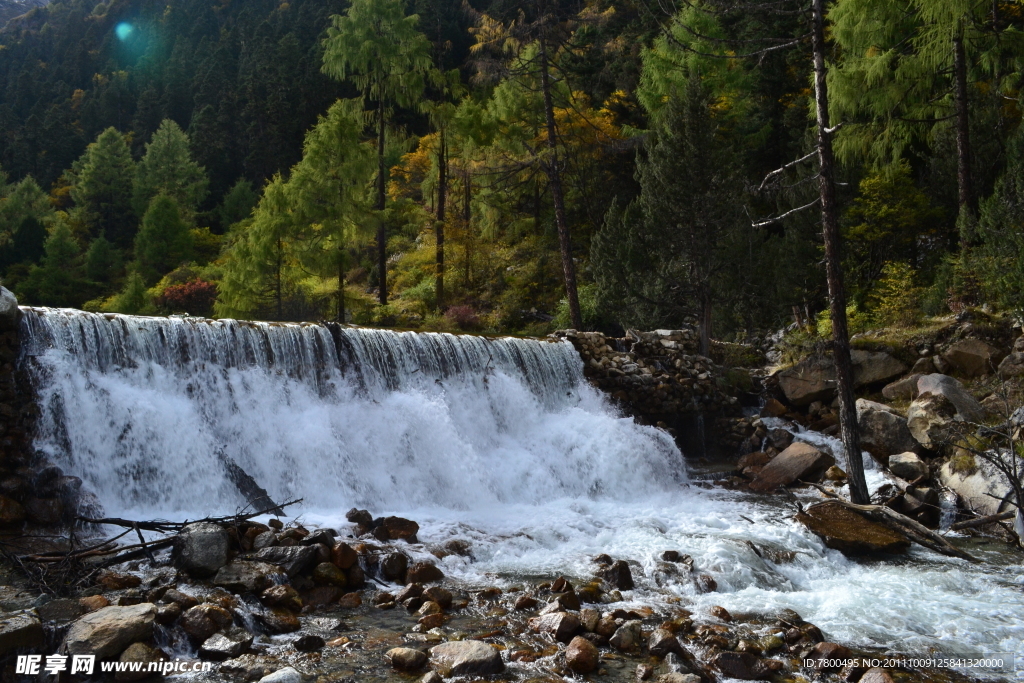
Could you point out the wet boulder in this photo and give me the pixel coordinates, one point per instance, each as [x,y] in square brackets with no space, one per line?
[618,575]
[285,675]
[843,529]
[581,656]
[812,379]
[801,461]
[201,549]
[202,621]
[343,556]
[742,665]
[141,653]
[247,577]
[561,625]
[406,658]
[424,572]
[227,645]
[395,529]
[108,631]
[293,559]
[394,566]
[466,658]
[662,641]
[626,637]
[9,312]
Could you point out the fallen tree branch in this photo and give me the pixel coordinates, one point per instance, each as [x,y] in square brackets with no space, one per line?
[982,521]
[165,526]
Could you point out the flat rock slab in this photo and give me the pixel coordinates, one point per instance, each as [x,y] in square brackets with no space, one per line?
[466,658]
[843,529]
[799,461]
[20,630]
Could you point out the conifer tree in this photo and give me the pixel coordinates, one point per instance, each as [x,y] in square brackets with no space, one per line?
[55,282]
[164,240]
[103,188]
[377,47]
[167,168]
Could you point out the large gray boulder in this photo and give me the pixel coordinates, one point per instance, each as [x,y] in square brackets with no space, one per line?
[814,378]
[973,357]
[293,559]
[1012,366]
[883,431]
[466,658]
[20,630]
[874,367]
[799,461]
[247,577]
[905,388]
[940,400]
[285,675]
[201,549]
[9,311]
[907,466]
[982,488]
[108,631]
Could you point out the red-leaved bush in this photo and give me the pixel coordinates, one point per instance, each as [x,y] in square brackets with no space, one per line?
[195,297]
[464,317]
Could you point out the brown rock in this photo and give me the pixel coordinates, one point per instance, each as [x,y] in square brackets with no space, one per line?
[406,658]
[439,595]
[741,665]
[663,641]
[138,652]
[350,601]
[321,595]
[525,602]
[720,613]
[845,530]
[328,574]
[168,614]
[824,653]
[279,620]
[755,459]
[773,408]
[108,631]
[343,556]
[46,511]
[973,357]
[114,581]
[876,676]
[562,625]
[905,388]
[706,583]
[94,602]
[1012,366]
[183,600]
[618,575]
[466,658]
[581,656]
[799,461]
[282,596]
[394,567]
[432,621]
[202,621]
[424,572]
[399,528]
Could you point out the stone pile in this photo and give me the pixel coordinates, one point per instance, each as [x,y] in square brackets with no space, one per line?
[656,375]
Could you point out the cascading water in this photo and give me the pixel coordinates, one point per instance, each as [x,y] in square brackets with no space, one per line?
[496,441]
[144,409]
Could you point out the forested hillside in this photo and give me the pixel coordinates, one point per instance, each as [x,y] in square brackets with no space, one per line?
[485,166]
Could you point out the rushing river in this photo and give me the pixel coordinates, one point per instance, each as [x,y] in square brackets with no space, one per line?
[500,442]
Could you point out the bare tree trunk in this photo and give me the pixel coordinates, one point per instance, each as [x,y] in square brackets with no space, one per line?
[467,215]
[382,232]
[442,194]
[555,178]
[705,319]
[837,295]
[965,184]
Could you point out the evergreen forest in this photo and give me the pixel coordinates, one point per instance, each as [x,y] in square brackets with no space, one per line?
[511,167]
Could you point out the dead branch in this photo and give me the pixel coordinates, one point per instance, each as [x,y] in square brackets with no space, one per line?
[173,527]
[982,521]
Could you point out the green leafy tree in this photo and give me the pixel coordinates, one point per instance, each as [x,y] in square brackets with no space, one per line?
[1001,228]
[164,240]
[377,47]
[133,299]
[167,168]
[103,188]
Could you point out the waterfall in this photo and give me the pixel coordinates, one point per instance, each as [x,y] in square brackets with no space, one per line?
[146,410]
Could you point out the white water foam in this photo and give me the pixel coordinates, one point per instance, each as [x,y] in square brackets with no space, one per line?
[496,441]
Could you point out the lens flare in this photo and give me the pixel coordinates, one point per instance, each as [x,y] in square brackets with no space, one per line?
[123,30]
